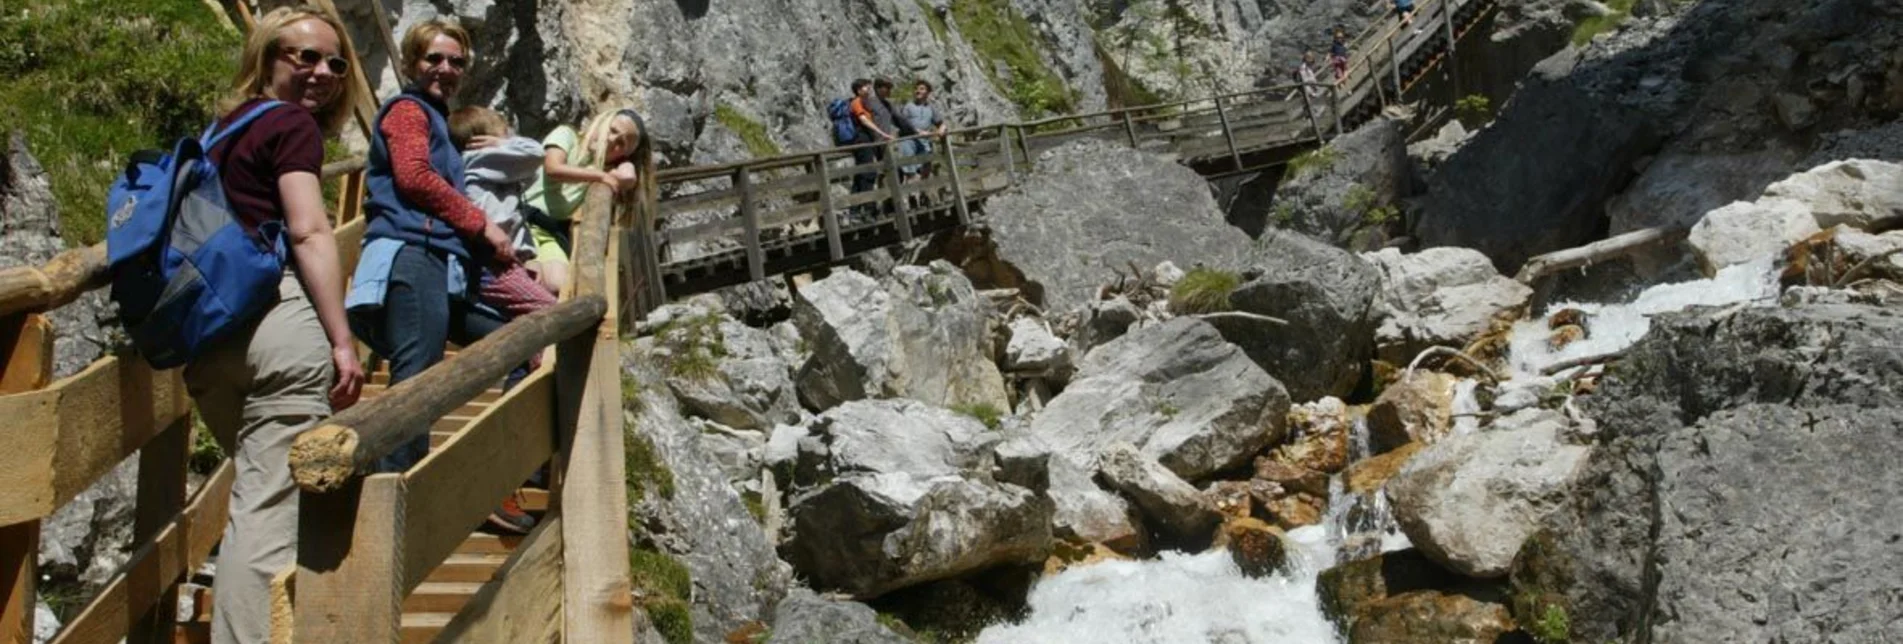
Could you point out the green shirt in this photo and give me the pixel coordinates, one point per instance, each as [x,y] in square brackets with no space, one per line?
[562,202]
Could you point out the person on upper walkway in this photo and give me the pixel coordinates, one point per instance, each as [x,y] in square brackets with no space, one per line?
[614,150]
[260,387]
[1405,8]
[923,118]
[426,243]
[869,132]
[1338,53]
[1305,74]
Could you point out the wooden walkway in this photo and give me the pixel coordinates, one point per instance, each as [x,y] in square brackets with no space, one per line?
[793,213]
[390,557]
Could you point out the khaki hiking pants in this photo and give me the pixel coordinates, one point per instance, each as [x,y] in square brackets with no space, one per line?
[257,390]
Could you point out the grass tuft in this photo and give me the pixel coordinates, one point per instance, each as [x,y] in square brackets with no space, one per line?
[751,132]
[645,469]
[1003,39]
[1592,26]
[986,413]
[1315,160]
[1203,290]
[91,81]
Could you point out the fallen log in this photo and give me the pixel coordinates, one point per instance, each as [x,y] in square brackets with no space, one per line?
[1582,361]
[1596,252]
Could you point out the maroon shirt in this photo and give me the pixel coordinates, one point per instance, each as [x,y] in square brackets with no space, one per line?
[283,140]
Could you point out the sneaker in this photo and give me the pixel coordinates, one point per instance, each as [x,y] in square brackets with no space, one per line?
[510,518]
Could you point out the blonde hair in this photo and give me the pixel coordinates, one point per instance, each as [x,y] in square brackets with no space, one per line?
[416,42]
[593,153]
[473,121]
[261,49]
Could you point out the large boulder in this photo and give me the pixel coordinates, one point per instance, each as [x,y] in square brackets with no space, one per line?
[1439,297]
[1171,506]
[893,493]
[1468,502]
[922,335]
[868,534]
[1325,297]
[1746,231]
[720,369]
[1700,517]
[1861,193]
[805,617]
[682,506]
[1331,194]
[1177,391]
[1107,207]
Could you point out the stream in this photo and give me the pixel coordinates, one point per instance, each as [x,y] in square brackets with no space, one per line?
[1180,597]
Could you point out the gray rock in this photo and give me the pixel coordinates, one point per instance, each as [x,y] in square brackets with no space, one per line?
[740,453]
[1744,232]
[1084,512]
[703,523]
[1699,516]
[1326,295]
[1171,506]
[923,335]
[1469,501]
[720,369]
[1034,349]
[1103,321]
[1330,199]
[868,534]
[1675,190]
[893,436]
[805,617]
[1177,391]
[1107,207]
[84,329]
[1861,193]
[87,540]
[1428,153]
[1439,297]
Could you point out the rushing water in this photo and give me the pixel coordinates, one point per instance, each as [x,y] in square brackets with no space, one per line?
[1181,597]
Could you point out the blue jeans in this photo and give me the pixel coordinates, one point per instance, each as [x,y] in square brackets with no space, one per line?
[416,319]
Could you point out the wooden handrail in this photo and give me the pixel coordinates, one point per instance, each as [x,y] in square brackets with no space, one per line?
[350,443]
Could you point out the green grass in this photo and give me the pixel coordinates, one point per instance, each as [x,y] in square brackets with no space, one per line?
[1203,290]
[1473,108]
[1553,626]
[751,132]
[1593,26]
[665,587]
[90,81]
[940,30]
[1366,204]
[986,413]
[1315,160]
[645,469]
[1003,38]
[206,454]
[696,346]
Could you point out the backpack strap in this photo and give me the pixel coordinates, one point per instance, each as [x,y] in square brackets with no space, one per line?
[214,134]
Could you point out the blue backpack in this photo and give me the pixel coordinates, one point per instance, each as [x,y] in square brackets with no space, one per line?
[845,131]
[184,270]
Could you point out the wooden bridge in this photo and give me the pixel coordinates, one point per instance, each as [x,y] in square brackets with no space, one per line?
[391,557]
[784,214]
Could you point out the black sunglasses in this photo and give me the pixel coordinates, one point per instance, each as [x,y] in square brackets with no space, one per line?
[310,58]
[437,58]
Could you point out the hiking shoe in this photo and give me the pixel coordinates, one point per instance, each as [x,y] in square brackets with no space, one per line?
[510,518]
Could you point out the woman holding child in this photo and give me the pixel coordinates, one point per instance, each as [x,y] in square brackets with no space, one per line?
[434,268]
[259,388]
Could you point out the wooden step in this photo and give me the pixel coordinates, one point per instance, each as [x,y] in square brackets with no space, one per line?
[488,544]
[467,568]
[440,597]
[422,628]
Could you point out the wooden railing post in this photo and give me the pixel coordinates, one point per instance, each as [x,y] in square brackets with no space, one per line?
[835,250]
[901,216]
[161,495]
[591,494]
[1308,106]
[28,341]
[1004,145]
[750,221]
[349,585]
[1129,128]
[957,185]
[1334,97]
[1394,66]
[1228,134]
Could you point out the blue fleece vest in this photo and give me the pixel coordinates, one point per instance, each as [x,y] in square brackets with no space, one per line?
[393,217]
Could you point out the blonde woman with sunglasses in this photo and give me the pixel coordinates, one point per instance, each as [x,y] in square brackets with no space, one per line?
[259,388]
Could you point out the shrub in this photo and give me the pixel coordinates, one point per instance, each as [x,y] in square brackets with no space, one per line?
[986,413]
[1473,109]
[1203,290]
[1315,160]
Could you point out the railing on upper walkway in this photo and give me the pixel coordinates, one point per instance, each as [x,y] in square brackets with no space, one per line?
[783,214]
